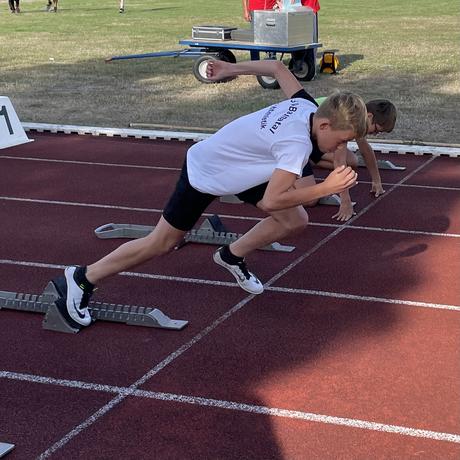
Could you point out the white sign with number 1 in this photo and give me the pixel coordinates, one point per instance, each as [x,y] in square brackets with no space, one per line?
[11,131]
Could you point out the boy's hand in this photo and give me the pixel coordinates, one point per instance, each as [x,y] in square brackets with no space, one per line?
[377,189]
[342,178]
[217,70]
[345,213]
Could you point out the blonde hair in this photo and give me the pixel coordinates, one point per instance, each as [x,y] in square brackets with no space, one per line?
[345,111]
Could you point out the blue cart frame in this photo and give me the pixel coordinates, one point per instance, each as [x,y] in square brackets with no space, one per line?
[302,63]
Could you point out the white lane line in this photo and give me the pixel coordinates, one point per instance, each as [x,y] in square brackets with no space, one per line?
[181,279]
[406,232]
[224,216]
[114,402]
[92,419]
[362,298]
[168,168]
[236,406]
[88,163]
[345,225]
[428,187]
[109,206]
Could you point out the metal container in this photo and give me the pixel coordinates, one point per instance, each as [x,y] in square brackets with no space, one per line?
[212,32]
[284,28]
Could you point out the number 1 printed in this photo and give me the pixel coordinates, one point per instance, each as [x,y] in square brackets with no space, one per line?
[7,119]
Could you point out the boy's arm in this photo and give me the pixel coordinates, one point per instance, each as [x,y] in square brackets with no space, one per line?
[220,70]
[282,194]
[371,164]
[346,210]
[246,12]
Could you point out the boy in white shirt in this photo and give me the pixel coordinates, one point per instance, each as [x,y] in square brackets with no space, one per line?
[259,157]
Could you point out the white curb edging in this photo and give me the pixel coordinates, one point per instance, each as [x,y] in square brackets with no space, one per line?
[190,136]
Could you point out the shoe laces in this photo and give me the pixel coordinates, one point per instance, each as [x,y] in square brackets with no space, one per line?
[242,266]
[85,299]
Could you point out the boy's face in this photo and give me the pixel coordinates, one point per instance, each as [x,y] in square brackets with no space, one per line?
[330,140]
[373,128]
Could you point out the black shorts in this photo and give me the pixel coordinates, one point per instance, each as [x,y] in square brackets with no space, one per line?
[187,204]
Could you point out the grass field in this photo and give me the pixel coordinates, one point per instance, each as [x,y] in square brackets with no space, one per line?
[53,69]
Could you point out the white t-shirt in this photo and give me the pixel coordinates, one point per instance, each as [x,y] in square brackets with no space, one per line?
[246,152]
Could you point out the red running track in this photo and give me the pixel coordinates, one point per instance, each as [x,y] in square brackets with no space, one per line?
[351,353]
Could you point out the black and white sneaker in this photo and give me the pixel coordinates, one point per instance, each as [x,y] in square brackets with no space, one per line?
[247,280]
[73,303]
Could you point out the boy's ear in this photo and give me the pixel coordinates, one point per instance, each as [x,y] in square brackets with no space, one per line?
[324,124]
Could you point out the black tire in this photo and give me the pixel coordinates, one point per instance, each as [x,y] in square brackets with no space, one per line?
[199,66]
[227,56]
[303,67]
[268,82]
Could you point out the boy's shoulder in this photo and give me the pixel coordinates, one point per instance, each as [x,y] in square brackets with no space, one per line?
[302,94]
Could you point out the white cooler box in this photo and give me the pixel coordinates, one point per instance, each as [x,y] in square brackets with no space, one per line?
[284,28]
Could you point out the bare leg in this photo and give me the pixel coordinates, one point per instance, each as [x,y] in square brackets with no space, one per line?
[162,239]
[279,225]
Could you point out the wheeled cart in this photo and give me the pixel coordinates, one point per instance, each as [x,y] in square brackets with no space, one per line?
[274,34]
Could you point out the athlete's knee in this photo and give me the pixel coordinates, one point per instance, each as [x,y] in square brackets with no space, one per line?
[311,203]
[295,223]
[158,246]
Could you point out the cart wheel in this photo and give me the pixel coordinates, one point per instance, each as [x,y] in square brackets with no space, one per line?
[268,82]
[304,68]
[227,56]
[200,65]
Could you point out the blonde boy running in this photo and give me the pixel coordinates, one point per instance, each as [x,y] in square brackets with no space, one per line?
[259,157]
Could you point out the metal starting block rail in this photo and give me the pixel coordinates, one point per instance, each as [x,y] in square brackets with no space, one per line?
[54,321]
[5,448]
[212,231]
[381,164]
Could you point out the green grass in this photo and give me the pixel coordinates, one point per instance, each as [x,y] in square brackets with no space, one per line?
[53,69]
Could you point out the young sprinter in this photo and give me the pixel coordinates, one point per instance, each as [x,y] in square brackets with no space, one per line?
[381,118]
[258,157]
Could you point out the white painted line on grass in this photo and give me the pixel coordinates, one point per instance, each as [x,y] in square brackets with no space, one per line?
[236,406]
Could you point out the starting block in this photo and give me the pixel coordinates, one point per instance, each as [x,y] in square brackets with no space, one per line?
[232,199]
[212,231]
[381,164]
[332,200]
[54,320]
[11,131]
[5,448]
